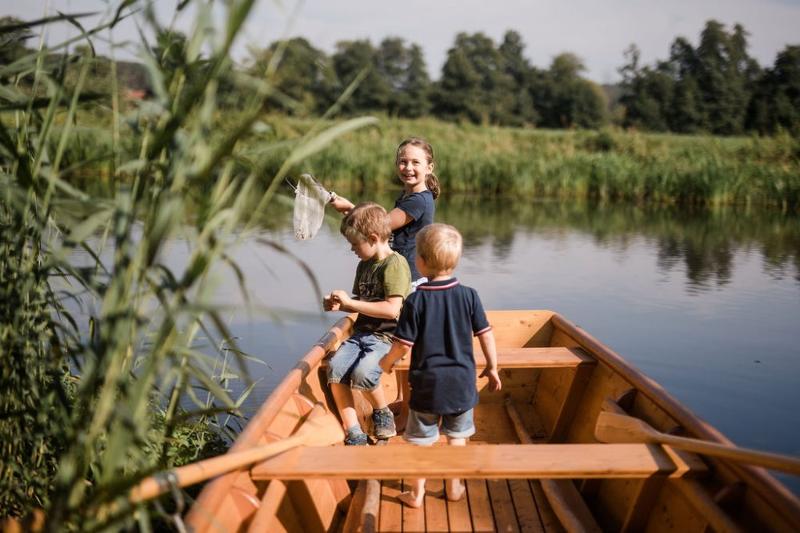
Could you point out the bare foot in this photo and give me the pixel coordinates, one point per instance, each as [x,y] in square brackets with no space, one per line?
[455,491]
[409,499]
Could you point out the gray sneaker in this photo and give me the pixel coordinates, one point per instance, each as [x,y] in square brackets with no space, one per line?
[383,423]
[356,438]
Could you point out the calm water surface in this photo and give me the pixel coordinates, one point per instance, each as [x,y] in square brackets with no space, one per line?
[707,303]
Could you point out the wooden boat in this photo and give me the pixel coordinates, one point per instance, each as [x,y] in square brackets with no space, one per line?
[534,464]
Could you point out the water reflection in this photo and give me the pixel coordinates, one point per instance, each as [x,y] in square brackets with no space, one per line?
[701,241]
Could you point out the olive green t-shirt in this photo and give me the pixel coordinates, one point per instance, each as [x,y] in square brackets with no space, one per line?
[376,280]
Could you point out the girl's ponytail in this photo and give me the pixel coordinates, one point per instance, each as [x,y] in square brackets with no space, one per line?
[432,182]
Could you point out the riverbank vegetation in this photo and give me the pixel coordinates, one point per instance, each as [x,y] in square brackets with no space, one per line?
[608,164]
[115,364]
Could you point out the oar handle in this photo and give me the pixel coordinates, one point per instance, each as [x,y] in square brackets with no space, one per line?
[774,461]
[190,474]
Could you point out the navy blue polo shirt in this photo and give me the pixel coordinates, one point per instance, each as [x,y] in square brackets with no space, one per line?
[420,207]
[438,321]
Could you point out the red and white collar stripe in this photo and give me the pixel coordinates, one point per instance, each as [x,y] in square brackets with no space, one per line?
[426,287]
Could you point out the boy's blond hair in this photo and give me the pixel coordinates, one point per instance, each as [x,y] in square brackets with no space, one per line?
[363,220]
[439,245]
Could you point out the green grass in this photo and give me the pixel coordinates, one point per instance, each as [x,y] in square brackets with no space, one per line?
[609,164]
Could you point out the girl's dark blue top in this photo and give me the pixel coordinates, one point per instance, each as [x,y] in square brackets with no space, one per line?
[438,321]
[420,207]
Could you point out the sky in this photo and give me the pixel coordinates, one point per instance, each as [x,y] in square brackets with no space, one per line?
[596,31]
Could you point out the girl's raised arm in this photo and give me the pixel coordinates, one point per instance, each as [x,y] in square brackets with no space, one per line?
[341,204]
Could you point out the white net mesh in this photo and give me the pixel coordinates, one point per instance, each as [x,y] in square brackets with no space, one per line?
[309,206]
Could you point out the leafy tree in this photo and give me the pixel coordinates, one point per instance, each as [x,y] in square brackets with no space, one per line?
[457,93]
[349,60]
[417,87]
[403,69]
[685,113]
[724,76]
[474,84]
[304,78]
[520,72]
[566,99]
[776,100]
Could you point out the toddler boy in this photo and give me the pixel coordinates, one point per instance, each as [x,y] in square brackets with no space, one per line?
[437,324]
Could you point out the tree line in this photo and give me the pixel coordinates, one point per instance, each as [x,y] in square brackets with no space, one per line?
[480,82]
[714,87]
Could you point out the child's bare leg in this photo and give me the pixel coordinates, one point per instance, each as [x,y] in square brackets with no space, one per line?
[403,395]
[454,488]
[415,496]
[376,397]
[343,397]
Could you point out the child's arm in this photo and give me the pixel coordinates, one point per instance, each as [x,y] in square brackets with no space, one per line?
[397,217]
[490,353]
[342,204]
[388,308]
[397,352]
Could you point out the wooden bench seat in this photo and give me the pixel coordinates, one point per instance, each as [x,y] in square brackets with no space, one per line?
[536,357]
[509,461]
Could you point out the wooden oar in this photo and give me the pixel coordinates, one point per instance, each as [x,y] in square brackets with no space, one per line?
[320,429]
[617,428]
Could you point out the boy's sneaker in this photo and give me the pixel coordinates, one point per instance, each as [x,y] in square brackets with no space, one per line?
[356,438]
[383,423]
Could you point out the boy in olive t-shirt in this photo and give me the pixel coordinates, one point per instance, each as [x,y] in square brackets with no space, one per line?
[382,282]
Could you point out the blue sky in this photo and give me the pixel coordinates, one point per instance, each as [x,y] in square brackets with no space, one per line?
[597,32]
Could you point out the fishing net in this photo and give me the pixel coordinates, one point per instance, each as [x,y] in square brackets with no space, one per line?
[309,206]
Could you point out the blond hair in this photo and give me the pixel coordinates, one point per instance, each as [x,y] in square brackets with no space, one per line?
[431,180]
[439,245]
[365,219]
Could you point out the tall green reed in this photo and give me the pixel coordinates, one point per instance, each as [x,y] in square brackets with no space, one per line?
[105,355]
[606,165]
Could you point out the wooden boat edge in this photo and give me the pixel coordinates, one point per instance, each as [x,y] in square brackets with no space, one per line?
[781,500]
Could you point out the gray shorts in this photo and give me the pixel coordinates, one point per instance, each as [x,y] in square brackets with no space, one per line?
[423,428]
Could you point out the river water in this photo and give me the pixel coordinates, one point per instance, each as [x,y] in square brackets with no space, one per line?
[706,302]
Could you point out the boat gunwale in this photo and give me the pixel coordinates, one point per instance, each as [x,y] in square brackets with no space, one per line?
[785,503]
[214,493]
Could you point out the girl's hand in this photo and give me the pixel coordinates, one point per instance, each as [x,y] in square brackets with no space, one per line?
[329,304]
[494,378]
[342,299]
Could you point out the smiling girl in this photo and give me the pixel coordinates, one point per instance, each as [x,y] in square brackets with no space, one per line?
[414,208]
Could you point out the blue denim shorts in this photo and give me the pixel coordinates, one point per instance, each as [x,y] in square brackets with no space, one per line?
[423,428]
[355,363]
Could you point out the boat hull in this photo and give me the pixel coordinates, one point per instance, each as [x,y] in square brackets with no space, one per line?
[556,380]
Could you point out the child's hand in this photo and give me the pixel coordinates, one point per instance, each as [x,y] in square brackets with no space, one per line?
[342,299]
[386,366]
[494,378]
[329,303]
[342,205]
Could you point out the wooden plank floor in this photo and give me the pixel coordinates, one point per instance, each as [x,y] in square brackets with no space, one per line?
[489,505]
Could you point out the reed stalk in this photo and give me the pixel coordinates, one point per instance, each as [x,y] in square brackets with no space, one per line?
[102,362]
